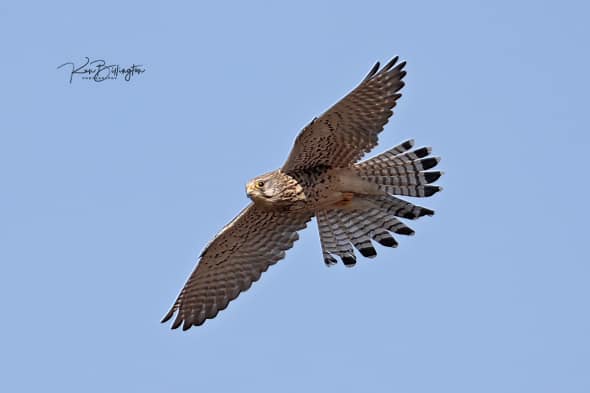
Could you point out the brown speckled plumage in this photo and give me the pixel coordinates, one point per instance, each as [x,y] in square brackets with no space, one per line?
[354,203]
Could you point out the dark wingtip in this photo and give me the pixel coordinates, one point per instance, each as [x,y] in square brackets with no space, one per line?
[391,63]
[177,322]
[168,316]
[372,72]
[387,68]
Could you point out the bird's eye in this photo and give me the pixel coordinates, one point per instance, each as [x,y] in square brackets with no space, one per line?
[259,184]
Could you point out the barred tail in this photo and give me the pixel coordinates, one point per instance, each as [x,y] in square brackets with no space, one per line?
[398,171]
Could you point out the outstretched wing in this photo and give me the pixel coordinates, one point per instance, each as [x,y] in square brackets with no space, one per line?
[236,257]
[348,130]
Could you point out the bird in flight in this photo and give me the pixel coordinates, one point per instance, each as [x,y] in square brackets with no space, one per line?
[354,202]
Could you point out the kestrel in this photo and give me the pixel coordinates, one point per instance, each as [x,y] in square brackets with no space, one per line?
[353,202]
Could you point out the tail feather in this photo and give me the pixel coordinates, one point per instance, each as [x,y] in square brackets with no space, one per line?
[383,159]
[400,208]
[384,238]
[334,240]
[356,234]
[413,191]
[411,179]
[402,172]
[327,239]
[341,228]
[401,168]
[398,171]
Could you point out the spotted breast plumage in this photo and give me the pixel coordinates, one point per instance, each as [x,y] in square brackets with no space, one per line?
[354,202]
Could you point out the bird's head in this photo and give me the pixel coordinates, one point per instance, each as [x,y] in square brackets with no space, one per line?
[264,189]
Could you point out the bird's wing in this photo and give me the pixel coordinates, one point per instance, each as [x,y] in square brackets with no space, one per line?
[234,259]
[348,130]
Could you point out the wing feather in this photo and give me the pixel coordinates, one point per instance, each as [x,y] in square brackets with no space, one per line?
[234,259]
[348,130]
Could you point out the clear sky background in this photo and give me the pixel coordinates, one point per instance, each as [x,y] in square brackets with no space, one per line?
[109,191]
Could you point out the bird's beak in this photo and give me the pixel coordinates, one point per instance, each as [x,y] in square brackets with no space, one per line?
[249,190]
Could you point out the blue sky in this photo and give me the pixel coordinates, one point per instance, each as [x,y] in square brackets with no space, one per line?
[109,191]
